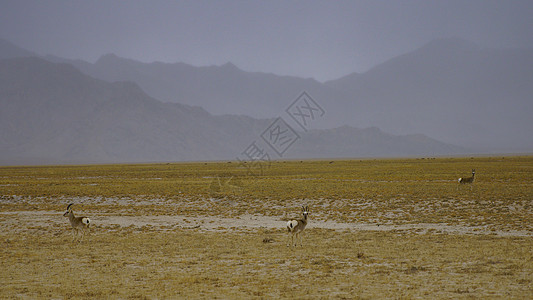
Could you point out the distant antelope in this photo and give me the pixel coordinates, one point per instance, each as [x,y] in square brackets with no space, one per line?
[295,227]
[78,223]
[467,180]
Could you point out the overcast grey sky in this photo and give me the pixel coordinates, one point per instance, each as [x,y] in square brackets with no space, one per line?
[320,39]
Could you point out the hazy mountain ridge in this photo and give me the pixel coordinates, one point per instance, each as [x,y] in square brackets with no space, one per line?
[53,113]
[9,50]
[220,90]
[58,114]
[449,89]
[455,91]
[370,142]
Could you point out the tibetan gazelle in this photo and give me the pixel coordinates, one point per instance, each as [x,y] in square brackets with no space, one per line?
[467,180]
[78,223]
[295,228]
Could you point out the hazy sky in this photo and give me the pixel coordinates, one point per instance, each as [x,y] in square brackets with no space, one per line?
[320,39]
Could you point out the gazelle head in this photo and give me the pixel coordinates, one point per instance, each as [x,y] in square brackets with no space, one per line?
[473,172]
[305,211]
[69,210]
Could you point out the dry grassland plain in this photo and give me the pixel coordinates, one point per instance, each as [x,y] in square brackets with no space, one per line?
[396,229]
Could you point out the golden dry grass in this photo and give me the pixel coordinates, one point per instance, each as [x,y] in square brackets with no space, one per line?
[491,258]
[141,263]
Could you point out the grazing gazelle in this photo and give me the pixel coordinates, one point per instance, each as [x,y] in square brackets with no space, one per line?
[467,180]
[295,227]
[78,223]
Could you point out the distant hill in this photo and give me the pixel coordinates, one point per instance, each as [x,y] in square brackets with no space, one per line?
[452,90]
[53,113]
[449,89]
[370,142]
[220,90]
[9,50]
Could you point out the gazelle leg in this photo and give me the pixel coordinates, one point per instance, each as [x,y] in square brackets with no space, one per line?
[292,239]
[79,234]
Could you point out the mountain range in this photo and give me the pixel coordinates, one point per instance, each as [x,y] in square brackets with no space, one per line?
[53,113]
[452,90]
[55,110]
[449,89]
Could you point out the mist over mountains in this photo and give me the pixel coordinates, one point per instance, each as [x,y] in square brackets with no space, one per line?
[120,110]
[449,89]
[53,113]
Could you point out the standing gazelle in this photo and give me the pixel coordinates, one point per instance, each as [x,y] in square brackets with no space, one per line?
[295,228]
[78,223]
[467,180]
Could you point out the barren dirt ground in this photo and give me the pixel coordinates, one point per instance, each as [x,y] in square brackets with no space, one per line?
[11,222]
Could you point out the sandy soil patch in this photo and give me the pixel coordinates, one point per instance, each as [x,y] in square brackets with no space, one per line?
[18,220]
